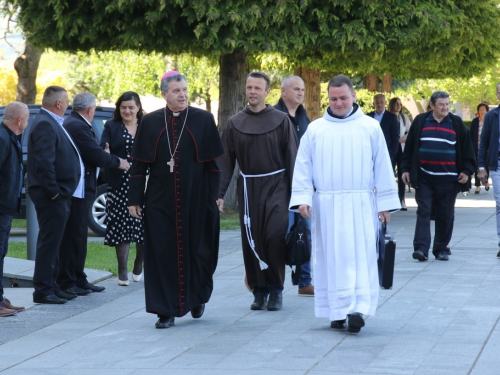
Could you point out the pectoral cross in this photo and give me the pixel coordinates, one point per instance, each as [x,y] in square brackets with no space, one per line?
[171,163]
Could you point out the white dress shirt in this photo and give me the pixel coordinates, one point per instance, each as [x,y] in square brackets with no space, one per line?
[80,189]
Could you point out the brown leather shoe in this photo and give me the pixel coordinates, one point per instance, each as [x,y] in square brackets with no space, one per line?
[6,312]
[307,291]
[6,303]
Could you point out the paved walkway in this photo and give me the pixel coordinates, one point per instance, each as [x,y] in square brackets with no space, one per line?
[439,318]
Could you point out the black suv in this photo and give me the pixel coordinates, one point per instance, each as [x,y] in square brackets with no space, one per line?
[97,212]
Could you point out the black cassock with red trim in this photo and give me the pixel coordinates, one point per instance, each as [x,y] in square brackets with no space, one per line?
[181,219]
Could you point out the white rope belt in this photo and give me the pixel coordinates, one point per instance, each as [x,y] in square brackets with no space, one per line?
[246,217]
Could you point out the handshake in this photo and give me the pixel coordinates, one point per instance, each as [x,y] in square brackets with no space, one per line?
[124,164]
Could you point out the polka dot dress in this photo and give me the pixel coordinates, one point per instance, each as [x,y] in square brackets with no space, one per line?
[121,226]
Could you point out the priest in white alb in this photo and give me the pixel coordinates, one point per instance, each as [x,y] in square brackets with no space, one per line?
[343,179]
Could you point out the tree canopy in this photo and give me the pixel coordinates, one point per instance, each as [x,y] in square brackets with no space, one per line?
[414,38]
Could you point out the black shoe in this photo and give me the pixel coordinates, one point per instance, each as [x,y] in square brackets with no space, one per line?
[92,287]
[355,322]
[337,324]
[197,312]
[404,209]
[259,302]
[442,255]
[77,291]
[51,299]
[420,256]
[67,296]
[448,250]
[165,323]
[498,254]
[275,301]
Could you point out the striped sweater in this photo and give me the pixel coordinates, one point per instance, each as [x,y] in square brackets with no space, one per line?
[436,154]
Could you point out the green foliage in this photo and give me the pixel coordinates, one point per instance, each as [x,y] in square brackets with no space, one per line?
[8,83]
[202,74]
[469,92]
[108,74]
[274,96]
[419,38]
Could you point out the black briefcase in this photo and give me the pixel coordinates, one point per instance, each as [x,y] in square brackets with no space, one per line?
[298,246]
[386,257]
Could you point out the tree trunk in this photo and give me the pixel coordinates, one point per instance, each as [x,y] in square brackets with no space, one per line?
[233,71]
[175,63]
[312,97]
[208,102]
[26,67]
[370,82]
[387,82]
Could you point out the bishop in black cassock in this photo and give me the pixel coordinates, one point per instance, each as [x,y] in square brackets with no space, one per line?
[181,219]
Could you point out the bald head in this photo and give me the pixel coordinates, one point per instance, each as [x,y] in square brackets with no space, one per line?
[292,92]
[16,117]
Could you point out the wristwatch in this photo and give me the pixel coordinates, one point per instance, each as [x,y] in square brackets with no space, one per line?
[481,168]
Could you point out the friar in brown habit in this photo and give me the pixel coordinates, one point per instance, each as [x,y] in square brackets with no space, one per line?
[263,142]
[178,146]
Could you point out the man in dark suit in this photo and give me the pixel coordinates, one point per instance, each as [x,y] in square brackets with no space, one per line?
[15,119]
[73,251]
[389,124]
[54,171]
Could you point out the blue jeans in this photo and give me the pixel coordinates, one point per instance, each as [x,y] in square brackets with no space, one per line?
[305,269]
[5,224]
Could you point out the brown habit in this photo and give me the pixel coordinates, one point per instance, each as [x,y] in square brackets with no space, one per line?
[262,143]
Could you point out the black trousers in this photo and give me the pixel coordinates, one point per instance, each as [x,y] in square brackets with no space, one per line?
[52,216]
[443,196]
[73,249]
[401,184]
[5,224]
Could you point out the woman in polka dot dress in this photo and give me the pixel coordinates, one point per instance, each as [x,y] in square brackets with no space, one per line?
[123,229]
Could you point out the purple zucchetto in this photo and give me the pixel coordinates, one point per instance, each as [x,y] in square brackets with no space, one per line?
[168,74]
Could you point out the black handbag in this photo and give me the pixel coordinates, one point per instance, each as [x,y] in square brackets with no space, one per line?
[386,257]
[298,246]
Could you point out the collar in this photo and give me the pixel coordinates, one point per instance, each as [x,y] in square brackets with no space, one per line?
[59,119]
[355,108]
[282,107]
[175,114]
[87,121]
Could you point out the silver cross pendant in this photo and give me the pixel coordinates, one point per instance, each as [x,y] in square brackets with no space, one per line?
[171,163]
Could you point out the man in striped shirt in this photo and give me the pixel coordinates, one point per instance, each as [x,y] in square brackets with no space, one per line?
[437,161]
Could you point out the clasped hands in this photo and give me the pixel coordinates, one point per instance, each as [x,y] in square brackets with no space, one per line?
[306,210]
[462,178]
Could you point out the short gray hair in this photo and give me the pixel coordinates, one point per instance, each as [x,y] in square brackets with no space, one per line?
[173,78]
[289,78]
[82,101]
[439,95]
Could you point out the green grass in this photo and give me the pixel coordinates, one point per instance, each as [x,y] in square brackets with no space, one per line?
[229,219]
[19,223]
[99,256]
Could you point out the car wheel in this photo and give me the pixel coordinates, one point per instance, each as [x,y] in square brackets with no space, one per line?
[97,211]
